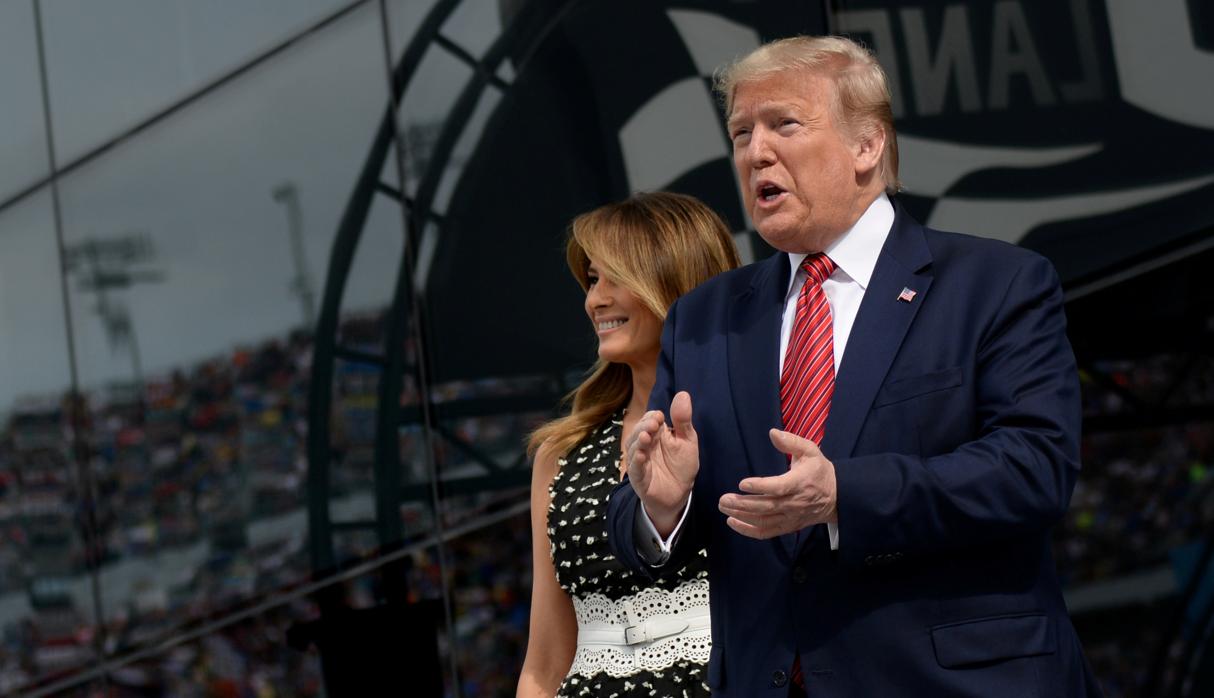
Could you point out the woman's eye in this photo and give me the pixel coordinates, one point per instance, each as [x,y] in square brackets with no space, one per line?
[592,280]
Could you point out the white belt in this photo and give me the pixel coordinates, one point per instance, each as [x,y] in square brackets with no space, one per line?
[652,630]
[646,631]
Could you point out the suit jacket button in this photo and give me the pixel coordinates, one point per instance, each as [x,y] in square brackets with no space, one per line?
[778,678]
[868,561]
[800,574]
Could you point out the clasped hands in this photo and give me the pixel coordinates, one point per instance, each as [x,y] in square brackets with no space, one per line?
[663,462]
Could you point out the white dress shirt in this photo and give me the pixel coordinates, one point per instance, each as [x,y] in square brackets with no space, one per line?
[855,254]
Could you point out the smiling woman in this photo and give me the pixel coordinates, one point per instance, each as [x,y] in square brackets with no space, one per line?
[633,258]
[654,247]
[629,333]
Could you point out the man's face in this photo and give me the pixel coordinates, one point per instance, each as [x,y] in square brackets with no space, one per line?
[797,169]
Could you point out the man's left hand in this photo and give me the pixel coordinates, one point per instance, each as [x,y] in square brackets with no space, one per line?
[773,506]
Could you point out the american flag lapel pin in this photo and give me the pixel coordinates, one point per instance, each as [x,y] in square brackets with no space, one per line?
[907,295]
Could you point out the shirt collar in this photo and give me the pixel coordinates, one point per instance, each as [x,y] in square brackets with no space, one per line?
[856,251]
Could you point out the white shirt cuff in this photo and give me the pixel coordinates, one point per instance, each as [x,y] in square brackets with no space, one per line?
[652,548]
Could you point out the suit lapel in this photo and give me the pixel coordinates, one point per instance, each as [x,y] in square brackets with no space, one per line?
[876,336]
[881,325]
[753,346]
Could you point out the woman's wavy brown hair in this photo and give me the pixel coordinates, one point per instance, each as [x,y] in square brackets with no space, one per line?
[659,246]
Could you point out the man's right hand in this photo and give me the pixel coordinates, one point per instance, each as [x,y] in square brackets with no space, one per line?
[663,462]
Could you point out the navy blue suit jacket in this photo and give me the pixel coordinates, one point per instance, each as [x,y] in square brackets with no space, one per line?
[954,431]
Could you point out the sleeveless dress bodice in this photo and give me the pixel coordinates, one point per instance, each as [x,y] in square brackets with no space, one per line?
[605,592]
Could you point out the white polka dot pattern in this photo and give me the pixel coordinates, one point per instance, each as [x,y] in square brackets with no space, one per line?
[599,583]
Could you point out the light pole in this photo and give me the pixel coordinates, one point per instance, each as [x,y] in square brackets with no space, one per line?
[105,264]
[301,285]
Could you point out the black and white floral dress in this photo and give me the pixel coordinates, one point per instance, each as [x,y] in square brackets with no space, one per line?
[607,596]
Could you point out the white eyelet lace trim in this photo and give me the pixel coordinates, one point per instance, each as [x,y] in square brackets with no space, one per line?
[652,610]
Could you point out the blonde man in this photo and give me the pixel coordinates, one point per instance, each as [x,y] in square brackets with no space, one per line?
[885,423]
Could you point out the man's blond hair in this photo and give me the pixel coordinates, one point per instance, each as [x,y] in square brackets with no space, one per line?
[861,103]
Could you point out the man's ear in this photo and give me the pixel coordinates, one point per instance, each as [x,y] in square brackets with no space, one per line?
[868,149]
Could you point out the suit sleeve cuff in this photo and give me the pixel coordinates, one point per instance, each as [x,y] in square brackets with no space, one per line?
[652,548]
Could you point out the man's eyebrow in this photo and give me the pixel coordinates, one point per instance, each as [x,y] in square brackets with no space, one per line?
[763,109]
[779,106]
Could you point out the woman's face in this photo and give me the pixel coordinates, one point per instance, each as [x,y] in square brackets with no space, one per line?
[629,333]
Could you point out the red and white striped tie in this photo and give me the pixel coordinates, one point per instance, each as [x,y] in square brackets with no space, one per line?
[808,381]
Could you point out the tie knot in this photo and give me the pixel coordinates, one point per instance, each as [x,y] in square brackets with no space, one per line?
[819,267]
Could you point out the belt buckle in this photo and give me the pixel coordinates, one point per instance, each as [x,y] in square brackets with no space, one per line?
[636,634]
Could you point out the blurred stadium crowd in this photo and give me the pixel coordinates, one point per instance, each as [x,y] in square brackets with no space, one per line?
[1141,508]
[199,482]
[199,479]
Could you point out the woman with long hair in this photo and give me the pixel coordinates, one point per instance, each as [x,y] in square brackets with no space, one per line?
[598,629]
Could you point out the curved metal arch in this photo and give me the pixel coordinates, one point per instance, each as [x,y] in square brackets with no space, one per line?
[341,259]
[405,307]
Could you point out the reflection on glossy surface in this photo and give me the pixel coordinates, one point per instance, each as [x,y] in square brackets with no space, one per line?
[168,49]
[33,353]
[46,607]
[200,188]
[23,136]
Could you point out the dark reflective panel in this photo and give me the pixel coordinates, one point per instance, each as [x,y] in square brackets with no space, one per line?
[23,158]
[47,608]
[168,50]
[196,253]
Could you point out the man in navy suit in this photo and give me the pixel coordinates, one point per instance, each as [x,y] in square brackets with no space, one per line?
[899,544]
